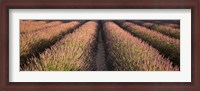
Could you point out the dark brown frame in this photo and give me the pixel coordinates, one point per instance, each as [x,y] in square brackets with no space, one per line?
[100,4]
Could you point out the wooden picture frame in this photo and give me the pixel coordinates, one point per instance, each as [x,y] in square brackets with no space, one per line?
[100,4]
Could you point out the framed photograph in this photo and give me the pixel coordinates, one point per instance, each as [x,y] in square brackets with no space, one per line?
[100,45]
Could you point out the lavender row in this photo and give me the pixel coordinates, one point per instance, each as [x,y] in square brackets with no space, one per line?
[34,42]
[172,32]
[128,53]
[168,46]
[167,23]
[30,26]
[74,52]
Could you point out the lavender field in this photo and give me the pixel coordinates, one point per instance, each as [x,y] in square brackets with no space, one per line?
[100,45]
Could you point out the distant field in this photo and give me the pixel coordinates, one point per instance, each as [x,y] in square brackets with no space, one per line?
[99,45]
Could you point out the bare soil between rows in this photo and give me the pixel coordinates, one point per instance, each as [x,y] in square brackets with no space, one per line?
[100,56]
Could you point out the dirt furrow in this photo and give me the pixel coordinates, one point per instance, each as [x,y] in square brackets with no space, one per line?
[100,56]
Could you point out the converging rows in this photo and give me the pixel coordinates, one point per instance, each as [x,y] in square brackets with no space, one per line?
[99,45]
